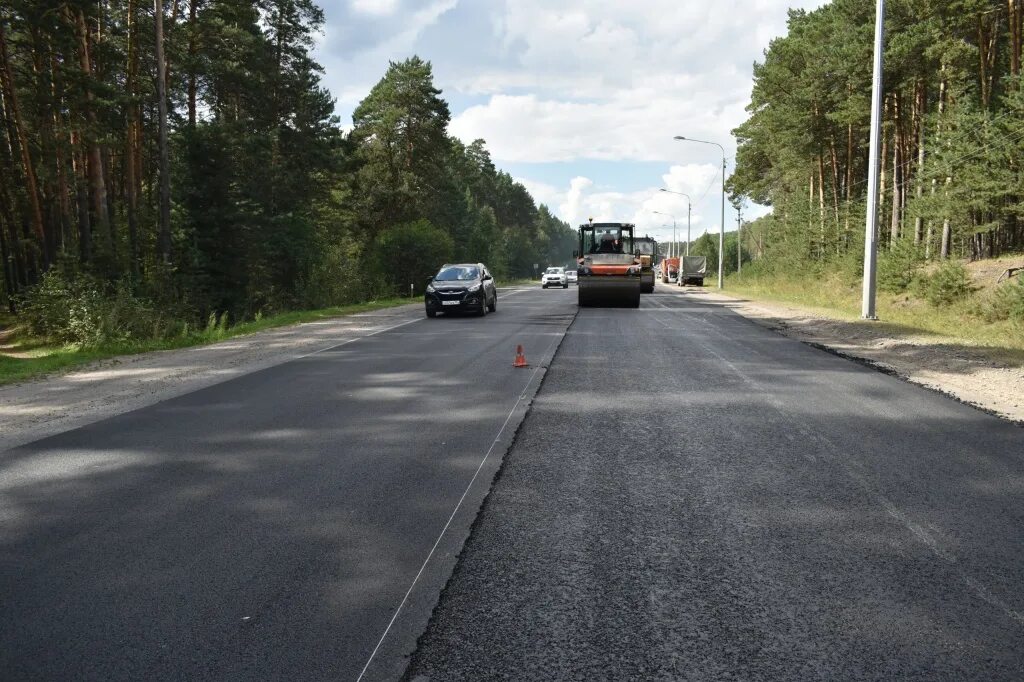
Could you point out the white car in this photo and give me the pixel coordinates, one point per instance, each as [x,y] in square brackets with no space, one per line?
[554,277]
[571,276]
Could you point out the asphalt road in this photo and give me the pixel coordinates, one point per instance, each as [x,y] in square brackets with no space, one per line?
[267,527]
[694,497]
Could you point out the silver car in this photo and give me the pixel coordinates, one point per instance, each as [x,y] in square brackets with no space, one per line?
[554,277]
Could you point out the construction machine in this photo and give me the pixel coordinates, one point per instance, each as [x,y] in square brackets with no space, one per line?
[609,266]
[669,270]
[648,249]
[693,271]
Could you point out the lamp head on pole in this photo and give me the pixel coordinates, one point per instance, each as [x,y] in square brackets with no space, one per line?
[678,137]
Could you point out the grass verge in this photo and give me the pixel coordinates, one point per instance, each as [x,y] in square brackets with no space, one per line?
[899,314]
[23,358]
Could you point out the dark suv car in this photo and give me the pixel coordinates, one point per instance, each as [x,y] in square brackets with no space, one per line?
[463,287]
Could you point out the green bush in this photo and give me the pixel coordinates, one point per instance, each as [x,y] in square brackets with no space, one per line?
[946,285]
[77,308]
[1006,302]
[898,266]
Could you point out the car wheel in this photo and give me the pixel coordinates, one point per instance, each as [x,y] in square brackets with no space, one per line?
[493,307]
[483,309]
[565,286]
[431,313]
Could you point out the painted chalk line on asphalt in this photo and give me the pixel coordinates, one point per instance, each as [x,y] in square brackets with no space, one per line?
[548,355]
[374,333]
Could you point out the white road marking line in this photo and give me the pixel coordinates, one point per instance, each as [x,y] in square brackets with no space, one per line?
[458,505]
[364,336]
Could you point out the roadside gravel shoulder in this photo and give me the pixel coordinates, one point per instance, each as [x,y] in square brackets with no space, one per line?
[975,375]
[50,405]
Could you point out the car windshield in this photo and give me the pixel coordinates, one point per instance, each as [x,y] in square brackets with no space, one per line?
[457,273]
[554,271]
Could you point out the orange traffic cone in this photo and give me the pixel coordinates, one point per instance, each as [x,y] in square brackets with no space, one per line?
[520,358]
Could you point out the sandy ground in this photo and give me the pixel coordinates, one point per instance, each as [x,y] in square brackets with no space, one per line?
[50,405]
[974,375]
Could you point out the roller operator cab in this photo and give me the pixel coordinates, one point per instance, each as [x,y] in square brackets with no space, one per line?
[609,266]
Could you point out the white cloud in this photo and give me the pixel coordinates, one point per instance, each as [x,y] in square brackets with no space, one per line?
[375,7]
[648,208]
[574,205]
[603,79]
[576,82]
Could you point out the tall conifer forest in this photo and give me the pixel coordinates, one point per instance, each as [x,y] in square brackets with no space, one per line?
[172,161]
[952,149]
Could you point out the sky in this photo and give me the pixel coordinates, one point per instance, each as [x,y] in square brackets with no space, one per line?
[579,100]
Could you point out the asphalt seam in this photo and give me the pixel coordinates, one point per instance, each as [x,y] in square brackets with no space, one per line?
[486,500]
[549,356]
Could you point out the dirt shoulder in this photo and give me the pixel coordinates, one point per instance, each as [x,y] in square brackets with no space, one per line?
[988,378]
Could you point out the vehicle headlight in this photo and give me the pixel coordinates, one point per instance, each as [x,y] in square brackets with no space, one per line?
[431,289]
[473,289]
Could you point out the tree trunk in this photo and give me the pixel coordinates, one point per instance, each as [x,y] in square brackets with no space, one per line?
[11,263]
[821,204]
[60,159]
[881,160]
[193,48]
[1015,19]
[130,170]
[849,180]
[11,96]
[82,191]
[922,99]
[94,162]
[835,179]
[894,223]
[164,231]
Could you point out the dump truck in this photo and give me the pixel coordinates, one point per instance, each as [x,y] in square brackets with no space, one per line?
[694,270]
[608,270]
[648,249]
[669,270]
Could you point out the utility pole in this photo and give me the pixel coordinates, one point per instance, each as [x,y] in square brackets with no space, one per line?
[689,213]
[871,222]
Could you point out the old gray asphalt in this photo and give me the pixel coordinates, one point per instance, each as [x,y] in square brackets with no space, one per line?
[694,497]
[266,527]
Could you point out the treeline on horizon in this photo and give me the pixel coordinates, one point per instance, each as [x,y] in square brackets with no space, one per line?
[271,204]
[952,169]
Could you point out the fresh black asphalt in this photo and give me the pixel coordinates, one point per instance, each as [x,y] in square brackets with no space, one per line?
[693,497]
[266,528]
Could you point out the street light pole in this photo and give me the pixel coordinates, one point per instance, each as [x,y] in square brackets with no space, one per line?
[689,213]
[871,222]
[721,229]
[674,246]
